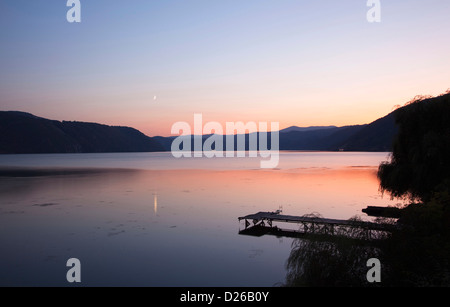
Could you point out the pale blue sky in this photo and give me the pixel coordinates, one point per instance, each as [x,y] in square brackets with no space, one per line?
[293,61]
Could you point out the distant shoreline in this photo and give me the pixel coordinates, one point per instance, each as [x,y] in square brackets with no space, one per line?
[168,151]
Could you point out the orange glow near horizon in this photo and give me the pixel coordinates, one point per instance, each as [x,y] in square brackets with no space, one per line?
[300,63]
[336,193]
[157,117]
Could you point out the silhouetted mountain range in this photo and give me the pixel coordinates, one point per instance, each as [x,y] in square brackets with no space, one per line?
[376,136]
[303,129]
[25,133]
[22,132]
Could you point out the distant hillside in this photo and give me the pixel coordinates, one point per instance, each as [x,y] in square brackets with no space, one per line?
[376,136]
[25,133]
[321,139]
[303,129]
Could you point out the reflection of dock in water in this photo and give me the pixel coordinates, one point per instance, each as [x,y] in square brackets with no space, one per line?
[258,231]
[262,223]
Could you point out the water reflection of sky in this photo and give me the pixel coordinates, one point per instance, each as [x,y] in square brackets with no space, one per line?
[165,227]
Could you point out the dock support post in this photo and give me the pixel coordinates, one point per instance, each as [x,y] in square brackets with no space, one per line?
[247,223]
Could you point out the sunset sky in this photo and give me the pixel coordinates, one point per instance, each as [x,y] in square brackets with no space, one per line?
[148,64]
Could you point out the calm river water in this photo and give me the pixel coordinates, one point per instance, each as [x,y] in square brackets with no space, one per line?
[148,219]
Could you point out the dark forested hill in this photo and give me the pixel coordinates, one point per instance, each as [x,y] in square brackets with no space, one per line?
[25,133]
[376,136]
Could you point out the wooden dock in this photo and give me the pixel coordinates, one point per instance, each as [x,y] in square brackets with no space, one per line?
[391,212]
[263,223]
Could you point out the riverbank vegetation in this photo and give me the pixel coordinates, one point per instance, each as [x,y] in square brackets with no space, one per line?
[417,254]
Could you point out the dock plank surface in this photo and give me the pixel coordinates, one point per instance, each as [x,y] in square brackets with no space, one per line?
[276,217]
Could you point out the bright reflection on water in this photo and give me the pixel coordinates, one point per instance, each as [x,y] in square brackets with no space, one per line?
[152,220]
